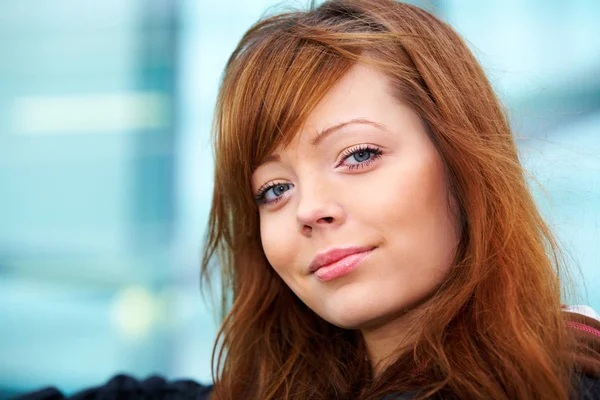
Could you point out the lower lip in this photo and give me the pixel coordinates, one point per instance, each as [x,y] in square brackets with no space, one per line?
[341,267]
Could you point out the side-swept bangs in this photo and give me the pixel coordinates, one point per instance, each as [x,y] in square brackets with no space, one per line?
[278,74]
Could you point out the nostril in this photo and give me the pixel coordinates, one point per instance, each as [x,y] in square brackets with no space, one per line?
[306,230]
[328,219]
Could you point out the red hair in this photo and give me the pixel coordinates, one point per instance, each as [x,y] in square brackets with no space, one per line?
[494,329]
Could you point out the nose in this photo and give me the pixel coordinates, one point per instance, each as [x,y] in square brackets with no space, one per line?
[319,207]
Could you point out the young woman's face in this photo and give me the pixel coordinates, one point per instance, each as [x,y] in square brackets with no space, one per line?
[355,214]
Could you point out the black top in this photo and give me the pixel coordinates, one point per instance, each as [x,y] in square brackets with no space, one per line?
[123,387]
[589,389]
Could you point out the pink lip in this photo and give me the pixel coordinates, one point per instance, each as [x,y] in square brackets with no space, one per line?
[337,262]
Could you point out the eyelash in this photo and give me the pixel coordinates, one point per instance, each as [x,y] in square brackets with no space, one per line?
[375,151]
[260,195]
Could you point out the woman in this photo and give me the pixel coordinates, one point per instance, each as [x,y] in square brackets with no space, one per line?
[373,223]
[374,231]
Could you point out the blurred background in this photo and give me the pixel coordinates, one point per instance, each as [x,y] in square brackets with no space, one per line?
[106,169]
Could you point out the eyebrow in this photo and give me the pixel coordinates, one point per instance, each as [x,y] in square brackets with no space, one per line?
[323,134]
[270,158]
[361,121]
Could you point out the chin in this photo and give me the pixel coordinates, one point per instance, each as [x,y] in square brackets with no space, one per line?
[351,322]
[352,313]
[361,309]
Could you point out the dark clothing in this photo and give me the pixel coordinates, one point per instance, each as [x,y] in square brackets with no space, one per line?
[589,389]
[123,387]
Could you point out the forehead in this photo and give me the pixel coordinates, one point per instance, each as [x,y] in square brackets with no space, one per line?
[360,92]
[361,96]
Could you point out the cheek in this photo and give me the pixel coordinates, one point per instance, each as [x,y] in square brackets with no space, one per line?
[407,190]
[415,217]
[278,243]
[420,195]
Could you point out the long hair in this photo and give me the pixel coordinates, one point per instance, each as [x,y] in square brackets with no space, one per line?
[494,329]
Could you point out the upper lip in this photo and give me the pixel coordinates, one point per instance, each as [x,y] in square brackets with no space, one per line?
[334,254]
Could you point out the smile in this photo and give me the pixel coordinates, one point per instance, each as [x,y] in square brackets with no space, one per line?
[338,262]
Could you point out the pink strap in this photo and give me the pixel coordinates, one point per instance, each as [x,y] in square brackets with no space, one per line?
[583,327]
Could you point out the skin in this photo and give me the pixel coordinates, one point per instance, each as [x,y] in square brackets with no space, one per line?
[396,202]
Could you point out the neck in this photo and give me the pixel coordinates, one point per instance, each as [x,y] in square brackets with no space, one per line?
[386,341]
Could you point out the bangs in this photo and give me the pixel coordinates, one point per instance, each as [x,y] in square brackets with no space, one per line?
[273,81]
[297,79]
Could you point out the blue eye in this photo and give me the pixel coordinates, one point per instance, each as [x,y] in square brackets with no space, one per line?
[360,156]
[272,192]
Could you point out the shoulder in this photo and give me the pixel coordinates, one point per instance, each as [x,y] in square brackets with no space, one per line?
[586,332]
[124,387]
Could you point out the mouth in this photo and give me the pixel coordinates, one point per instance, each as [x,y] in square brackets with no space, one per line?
[337,262]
